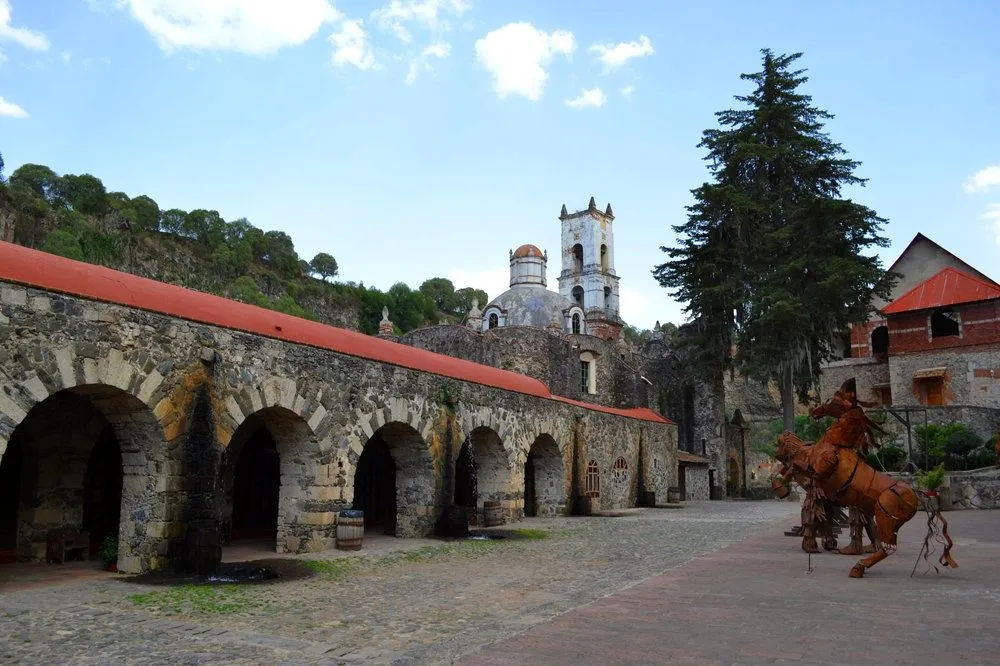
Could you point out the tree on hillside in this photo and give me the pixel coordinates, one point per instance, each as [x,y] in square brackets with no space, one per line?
[466,295]
[442,292]
[37,178]
[324,265]
[84,193]
[770,259]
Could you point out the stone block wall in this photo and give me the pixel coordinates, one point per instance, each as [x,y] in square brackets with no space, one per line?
[971,376]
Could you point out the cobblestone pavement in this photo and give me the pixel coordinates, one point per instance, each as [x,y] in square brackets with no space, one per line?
[419,602]
[755,602]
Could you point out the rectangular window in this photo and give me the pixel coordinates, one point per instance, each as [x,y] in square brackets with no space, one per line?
[585,376]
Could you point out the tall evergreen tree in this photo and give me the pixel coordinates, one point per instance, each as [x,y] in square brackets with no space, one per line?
[770,259]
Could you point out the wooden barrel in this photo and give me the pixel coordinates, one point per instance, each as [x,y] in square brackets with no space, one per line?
[350,529]
[492,514]
[673,495]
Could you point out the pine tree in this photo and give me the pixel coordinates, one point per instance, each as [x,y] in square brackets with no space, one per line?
[770,259]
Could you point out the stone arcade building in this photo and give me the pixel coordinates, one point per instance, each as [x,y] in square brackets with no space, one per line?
[137,409]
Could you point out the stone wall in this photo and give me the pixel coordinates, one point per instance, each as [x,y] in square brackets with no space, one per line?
[176,394]
[696,486]
[973,489]
[868,372]
[963,385]
[549,356]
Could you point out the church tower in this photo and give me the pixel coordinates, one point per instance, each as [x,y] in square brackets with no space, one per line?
[588,268]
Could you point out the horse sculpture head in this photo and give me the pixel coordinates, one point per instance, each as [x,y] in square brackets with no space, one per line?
[787,446]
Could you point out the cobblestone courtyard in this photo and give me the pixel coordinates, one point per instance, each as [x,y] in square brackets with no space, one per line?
[421,601]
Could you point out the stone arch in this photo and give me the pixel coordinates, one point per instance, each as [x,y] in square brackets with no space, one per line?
[577,251]
[412,494]
[265,477]
[482,471]
[56,437]
[545,485]
[880,341]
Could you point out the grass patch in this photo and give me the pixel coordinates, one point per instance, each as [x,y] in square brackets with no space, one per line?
[336,568]
[530,533]
[226,599]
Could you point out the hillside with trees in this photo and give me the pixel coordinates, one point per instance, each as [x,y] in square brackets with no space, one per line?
[75,216]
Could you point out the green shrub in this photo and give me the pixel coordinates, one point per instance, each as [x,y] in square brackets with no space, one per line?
[931,480]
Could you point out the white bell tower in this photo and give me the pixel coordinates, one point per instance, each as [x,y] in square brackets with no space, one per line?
[588,268]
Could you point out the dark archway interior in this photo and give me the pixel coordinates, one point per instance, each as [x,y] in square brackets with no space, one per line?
[375,485]
[102,499]
[10,499]
[63,469]
[256,488]
[466,490]
[530,492]
[544,478]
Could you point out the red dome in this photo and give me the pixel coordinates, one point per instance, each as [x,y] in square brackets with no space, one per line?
[528,251]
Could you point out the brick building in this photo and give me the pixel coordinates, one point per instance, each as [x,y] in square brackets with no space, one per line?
[934,346]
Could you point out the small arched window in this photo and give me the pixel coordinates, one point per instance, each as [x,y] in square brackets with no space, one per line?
[619,472]
[880,341]
[494,320]
[607,298]
[577,258]
[578,295]
[576,323]
[593,479]
[605,263]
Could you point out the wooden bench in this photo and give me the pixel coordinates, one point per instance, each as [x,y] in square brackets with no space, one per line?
[64,542]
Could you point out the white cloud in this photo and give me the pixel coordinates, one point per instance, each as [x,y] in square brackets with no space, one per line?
[11,110]
[436,50]
[516,55]
[426,13]
[66,56]
[351,46]
[591,98]
[627,91]
[29,39]
[983,180]
[255,27]
[615,55]
[992,215]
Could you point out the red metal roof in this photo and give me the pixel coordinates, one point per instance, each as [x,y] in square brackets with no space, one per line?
[28,267]
[946,287]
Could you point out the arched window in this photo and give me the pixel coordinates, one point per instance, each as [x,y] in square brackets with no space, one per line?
[605,263]
[880,341]
[578,295]
[576,323]
[607,298]
[494,320]
[619,472]
[593,479]
[577,258]
[944,323]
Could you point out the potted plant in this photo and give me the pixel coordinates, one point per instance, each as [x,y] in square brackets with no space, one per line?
[929,483]
[109,553]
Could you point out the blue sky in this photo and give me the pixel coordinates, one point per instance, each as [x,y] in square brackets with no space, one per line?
[423,138]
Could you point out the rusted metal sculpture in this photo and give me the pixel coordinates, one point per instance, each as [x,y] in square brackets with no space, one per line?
[859,522]
[837,468]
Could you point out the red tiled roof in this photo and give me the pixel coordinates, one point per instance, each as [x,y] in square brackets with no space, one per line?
[947,287]
[47,271]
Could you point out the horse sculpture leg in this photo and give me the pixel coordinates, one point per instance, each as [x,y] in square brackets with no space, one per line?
[896,505]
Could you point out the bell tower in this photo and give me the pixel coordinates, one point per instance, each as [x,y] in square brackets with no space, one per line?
[588,276]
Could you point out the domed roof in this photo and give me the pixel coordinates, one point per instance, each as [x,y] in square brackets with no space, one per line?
[532,305]
[528,250]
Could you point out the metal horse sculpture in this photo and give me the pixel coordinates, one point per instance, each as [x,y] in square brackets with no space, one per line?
[859,522]
[841,473]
